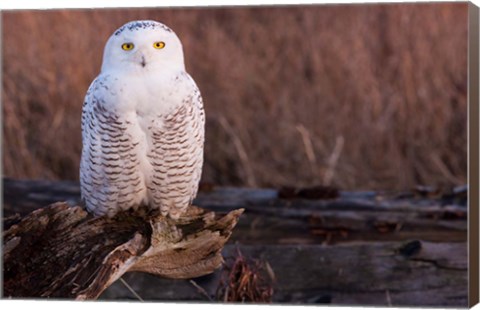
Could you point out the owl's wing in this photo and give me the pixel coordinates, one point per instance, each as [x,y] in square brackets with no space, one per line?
[177,152]
[109,177]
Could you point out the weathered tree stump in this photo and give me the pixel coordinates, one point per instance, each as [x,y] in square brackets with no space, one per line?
[64,252]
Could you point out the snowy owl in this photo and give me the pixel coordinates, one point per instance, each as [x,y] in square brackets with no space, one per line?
[143,125]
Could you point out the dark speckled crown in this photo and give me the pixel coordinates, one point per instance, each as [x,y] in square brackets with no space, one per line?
[141,24]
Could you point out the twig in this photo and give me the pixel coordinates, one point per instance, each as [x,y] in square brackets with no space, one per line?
[270,271]
[332,161]
[201,289]
[131,289]
[389,300]
[242,154]
[225,297]
[444,169]
[307,143]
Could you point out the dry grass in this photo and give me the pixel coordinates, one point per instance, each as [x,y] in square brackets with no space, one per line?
[359,96]
[245,280]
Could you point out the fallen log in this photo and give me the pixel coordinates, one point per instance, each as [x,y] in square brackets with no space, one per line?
[403,274]
[351,248]
[63,252]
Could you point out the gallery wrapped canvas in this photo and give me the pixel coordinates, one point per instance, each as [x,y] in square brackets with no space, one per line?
[296,154]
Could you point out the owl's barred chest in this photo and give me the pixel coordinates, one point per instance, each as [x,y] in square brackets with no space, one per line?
[163,140]
[158,110]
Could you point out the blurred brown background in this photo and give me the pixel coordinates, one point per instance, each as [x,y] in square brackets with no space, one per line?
[357,96]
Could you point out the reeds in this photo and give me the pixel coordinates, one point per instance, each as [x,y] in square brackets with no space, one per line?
[359,96]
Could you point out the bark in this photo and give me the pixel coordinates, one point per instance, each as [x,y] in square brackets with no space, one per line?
[63,252]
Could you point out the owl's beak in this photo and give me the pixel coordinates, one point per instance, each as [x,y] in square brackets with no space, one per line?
[143,62]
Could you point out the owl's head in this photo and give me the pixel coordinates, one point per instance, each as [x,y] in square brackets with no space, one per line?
[143,45]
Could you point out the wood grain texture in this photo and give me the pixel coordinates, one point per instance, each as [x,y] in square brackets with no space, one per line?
[358,273]
[63,252]
[354,248]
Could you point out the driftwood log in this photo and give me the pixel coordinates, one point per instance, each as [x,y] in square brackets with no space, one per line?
[63,252]
[323,246]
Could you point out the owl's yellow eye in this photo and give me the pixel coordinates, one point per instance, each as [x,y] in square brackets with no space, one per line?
[159,45]
[127,46]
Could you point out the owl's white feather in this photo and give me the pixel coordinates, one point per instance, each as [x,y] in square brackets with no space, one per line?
[142,126]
